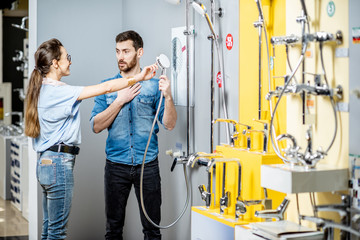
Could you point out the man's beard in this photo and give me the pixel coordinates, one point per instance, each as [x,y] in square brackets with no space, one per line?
[128,66]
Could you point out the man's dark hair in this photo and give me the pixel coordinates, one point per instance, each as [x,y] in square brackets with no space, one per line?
[130,35]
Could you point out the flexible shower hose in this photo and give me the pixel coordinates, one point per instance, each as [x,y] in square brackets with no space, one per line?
[142,178]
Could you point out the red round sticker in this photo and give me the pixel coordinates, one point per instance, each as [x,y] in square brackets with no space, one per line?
[219,79]
[229,41]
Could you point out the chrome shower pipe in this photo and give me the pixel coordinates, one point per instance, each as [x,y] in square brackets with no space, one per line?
[259,24]
[187,32]
[272,114]
[200,8]
[212,82]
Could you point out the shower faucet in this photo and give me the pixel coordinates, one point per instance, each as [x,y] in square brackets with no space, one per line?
[195,157]
[325,37]
[284,40]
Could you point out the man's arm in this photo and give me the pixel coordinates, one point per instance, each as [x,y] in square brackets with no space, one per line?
[170,115]
[104,119]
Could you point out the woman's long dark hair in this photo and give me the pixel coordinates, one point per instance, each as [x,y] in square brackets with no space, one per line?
[44,55]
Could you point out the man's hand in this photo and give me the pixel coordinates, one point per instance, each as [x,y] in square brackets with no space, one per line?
[127,94]
[164,86]
[147,73]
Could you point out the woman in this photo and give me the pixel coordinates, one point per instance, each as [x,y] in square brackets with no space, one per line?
[52,119]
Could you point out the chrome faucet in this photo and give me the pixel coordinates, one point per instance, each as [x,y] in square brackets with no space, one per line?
[20,114]
[22,26]
[235,135]
[342,209]
[240,207]
[205,195]
[193,158]
[326,224]
[277,213]
[307,159]
[225,199]
[266,202]
[266,135]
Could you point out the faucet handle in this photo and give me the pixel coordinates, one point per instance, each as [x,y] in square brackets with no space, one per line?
[240,208]
[262,121]
[224,202]
[202,190]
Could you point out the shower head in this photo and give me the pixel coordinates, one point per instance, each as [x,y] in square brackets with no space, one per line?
[163,61]
[174,1]
[199,7]
[22,26]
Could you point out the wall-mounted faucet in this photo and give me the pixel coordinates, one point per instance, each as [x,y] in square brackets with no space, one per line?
[20,114]
[22,26]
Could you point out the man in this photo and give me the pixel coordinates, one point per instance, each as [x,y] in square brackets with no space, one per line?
[128,116]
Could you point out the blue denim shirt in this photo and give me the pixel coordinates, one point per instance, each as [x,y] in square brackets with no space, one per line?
[129,132]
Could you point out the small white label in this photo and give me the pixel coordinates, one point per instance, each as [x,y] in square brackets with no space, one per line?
[342,52]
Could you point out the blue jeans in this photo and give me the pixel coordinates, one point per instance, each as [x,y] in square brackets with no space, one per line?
[119,179]
[54,172]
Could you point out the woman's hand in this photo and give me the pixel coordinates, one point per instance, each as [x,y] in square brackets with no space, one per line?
[147,73]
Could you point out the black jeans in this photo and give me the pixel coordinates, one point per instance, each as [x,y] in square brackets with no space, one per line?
[119,179]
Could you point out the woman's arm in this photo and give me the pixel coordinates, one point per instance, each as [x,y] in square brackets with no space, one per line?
[117,84]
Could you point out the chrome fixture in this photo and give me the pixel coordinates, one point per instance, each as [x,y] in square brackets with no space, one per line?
[278,213]
[265,133]
[163,61]
[328,224]
[284,40]
[200,8]
[259,24]
[22,26]
[225,199]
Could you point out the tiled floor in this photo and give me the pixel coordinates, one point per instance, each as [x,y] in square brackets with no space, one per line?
[15,238]
[13,226]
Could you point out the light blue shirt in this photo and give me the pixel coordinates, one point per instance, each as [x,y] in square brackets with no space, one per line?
[59,115]
[129,132]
